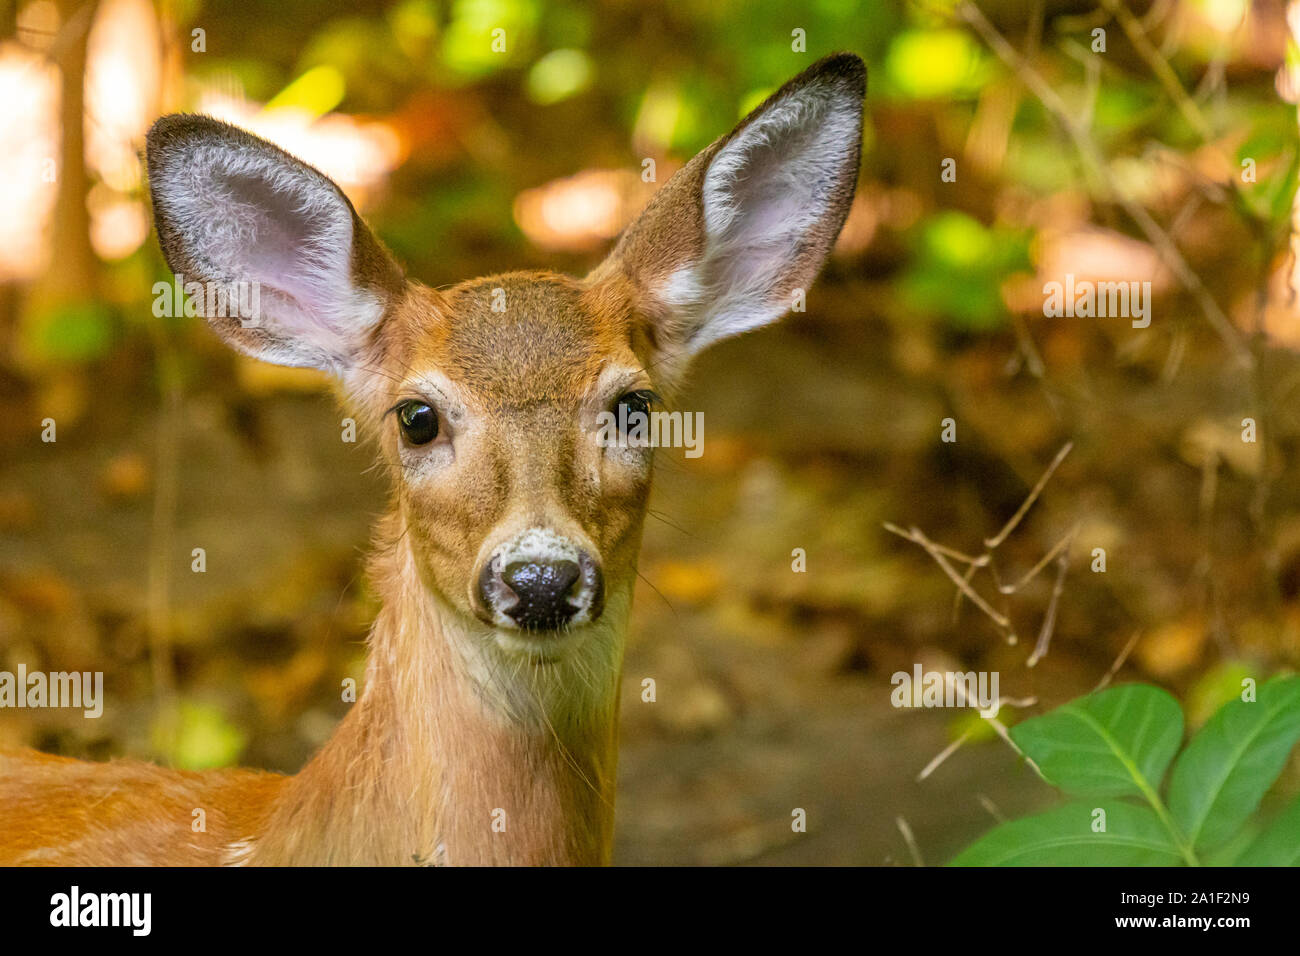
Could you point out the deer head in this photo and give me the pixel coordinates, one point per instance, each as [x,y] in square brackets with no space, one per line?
[521,526]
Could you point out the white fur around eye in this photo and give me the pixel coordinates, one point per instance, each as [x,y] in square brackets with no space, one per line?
[430,459]
[425,461]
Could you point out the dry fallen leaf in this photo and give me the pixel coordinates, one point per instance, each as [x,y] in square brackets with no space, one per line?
[693,582]
[1173,647]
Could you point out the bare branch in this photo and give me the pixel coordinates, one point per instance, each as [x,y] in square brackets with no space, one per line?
[1028,503]
[941,756]
[1046,560]
[991,807]
[1119,662]
[970,13]
[1159,65]
[1049,619]
[910,840]
[955,555]
[933,550]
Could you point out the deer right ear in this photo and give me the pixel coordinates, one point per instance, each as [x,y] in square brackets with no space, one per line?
[723,246]
[232,208]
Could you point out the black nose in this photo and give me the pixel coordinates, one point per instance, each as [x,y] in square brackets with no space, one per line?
[539,581]
[543,590]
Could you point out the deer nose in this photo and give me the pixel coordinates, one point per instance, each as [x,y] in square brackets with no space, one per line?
[541,593]
[539,581]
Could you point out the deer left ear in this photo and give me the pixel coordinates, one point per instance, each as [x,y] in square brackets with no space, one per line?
[234,209]
[725,243]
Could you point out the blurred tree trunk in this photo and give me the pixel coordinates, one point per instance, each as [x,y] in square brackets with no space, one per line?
[8,297]
[74,270]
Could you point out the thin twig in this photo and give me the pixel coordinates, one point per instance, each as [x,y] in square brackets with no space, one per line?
[1006,736]
[942,755]
[955,555]
[162,537]
[1119,662]
[1028,503]
[959,593]
[971,14]
[1159,65]
[1001,728]
[1044,562]
[953,747]
[1049,619]
[1033,360]
[934,552]
[910,840]
[991,807]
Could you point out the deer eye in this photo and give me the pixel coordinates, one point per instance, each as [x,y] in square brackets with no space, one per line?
[419,422]
[633,404]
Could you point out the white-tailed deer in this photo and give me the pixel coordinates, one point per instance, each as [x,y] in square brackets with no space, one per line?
[486,728]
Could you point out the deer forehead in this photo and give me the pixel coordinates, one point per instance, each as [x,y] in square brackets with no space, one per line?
[518,340]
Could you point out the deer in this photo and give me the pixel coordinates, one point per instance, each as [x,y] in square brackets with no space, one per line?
[486,729]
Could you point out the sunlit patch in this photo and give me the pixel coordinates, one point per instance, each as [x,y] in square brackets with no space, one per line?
[1100,255]
[860,227]
[1281,321]
[559,75]
[357,154]
[935,63]
[123,70]
[123,77]
[658,119]
[29,89]
[1223,15]
[582,211]
[118,225]
[37,24]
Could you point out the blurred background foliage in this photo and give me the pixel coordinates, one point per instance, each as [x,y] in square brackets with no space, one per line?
[471,158]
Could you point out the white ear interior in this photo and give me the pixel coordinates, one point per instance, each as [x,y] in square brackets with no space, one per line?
[246,213]
[770,191]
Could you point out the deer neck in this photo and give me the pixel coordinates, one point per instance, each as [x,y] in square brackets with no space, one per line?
[453,753]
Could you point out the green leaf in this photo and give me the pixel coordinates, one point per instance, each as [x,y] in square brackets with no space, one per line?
[946,63]
[959,268]
[1229,854]
[1064,837]
[1279,844]
[559,75]
[1226,769]
[1220,684]
[469,44]
[74,332]
[314,93]
[1115,743]
[201,739]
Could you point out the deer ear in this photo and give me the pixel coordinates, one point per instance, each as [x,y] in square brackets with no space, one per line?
[723,245]
[238,214]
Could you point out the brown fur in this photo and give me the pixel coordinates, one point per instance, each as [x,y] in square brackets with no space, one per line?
[453,731]
[62,812]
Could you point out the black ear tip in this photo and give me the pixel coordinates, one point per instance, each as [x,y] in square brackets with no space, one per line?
[178,129]
[848,66]
[166,127]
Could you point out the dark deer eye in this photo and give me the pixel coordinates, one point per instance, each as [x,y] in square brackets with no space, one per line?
[631,405]
[419,422]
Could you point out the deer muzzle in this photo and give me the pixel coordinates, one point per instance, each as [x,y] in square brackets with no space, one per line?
[540,581]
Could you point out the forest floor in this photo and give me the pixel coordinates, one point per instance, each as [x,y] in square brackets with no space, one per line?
[772,686]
